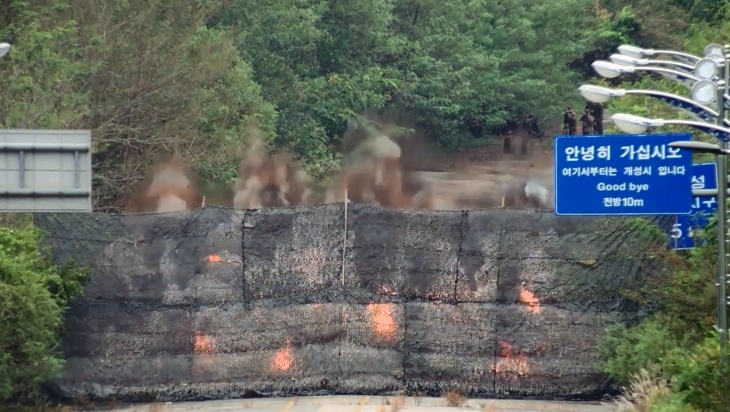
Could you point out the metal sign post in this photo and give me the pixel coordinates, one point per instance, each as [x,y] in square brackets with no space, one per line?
[45,171]
[622,175]
[704,176]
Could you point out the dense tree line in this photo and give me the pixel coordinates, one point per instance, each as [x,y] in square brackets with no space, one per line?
[187,76]
[155,77]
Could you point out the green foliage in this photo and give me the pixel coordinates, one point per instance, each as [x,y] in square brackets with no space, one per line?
[145,76]
[162,77]
[671,403]
[694,368]
[627,350]
[698,376]
[460,69]
[34,295]
[678,342]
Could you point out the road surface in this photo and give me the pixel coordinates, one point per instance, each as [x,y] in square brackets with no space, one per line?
[365,404]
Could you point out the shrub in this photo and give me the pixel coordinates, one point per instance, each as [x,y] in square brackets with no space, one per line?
[698,375]
[626,351]
[33,295]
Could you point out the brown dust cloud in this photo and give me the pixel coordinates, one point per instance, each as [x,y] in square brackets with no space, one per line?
[379,168]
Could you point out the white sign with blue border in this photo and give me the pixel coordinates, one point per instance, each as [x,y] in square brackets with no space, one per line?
[621,175]
[704,176]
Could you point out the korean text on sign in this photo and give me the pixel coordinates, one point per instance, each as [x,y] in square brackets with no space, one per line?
[682,233]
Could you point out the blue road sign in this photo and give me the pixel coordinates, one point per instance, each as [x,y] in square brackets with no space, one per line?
[704,176]
[622,175]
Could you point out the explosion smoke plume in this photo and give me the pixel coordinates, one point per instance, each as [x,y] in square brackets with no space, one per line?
[170,189]
[270,181]
[376,171]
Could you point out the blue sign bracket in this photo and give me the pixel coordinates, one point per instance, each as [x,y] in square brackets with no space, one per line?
[704,176]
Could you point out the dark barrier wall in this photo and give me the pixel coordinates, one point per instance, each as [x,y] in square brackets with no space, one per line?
[220,303]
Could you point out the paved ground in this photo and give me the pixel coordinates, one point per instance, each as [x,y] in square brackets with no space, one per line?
[365,404]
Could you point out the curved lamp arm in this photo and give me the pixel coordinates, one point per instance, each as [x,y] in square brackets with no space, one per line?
[638,52]
[612,70]
[686,57]
[638,125]
[721,133]
[686,79]
[693,109]
[690,68]
[624,60]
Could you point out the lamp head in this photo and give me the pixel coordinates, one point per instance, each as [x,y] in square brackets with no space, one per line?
[719,58]
[4,49]
[706,68]
[599,94]
[610,70]
[622,60]
[633,51]
[713,48]
[634,124]
[704,92]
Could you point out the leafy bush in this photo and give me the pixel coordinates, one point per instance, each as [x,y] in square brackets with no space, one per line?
[698,375]
[693,368]
[33,296]
[678,342]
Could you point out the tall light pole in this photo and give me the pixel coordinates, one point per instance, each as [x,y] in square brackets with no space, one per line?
[708,85]
[721,153]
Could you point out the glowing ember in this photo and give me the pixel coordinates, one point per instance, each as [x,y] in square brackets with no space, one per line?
[214,258]
[510,361]
[383,320]
[282,359]
[386,290]
[529,299]
[203,344]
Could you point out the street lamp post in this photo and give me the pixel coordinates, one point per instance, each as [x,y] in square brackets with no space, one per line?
[721,153]
[722,226]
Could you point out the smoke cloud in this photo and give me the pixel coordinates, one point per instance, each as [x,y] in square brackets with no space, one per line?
[380,167]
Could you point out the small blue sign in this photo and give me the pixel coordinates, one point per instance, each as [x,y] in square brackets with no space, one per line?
[704,176]
[621,175]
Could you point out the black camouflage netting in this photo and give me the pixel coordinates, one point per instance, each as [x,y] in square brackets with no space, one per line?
[219,303]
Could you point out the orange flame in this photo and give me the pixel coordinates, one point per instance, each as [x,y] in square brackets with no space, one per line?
[214,258]
[282,359]
[203,344]
[383,320]
[529,298]
[511,361]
